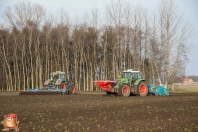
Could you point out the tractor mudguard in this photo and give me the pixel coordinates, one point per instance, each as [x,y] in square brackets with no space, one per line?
[137,81]
[122,81]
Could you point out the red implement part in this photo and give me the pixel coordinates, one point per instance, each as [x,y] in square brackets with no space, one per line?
[106,85]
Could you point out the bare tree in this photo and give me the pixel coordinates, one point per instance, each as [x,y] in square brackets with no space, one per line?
[27,17]
[170,21]
[115,17]
[5,53]
[181,50]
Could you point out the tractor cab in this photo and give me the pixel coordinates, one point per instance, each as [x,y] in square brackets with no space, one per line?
[62,76]
[54,76]
[131,75]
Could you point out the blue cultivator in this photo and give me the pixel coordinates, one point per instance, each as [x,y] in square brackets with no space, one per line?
[34,89]
[49,89]
[42,91]
[158,89]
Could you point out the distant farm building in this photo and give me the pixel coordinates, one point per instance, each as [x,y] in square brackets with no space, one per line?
[187,81]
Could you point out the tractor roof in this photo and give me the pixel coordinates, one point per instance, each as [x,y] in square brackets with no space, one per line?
[131,70]
[57,72]
[60,72]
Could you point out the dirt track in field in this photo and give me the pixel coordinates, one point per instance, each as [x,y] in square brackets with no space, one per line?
[94,111]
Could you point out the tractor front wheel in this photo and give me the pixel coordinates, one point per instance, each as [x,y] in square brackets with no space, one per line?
[124,90]
[142,89]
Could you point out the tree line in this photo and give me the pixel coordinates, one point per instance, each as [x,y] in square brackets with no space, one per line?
[91,47]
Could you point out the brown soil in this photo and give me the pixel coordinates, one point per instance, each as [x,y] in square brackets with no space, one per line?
[94,111]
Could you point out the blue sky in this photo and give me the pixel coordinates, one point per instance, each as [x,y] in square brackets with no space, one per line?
[79,7]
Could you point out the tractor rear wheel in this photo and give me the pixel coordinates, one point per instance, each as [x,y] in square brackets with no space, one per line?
[142,89]
[72,90]
[124,90]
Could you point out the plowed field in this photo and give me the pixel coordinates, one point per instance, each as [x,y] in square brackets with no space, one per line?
[91,112]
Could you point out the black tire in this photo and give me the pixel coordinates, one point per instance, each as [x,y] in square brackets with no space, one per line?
[111,93]
[108,93]
[142,89]
[124,90]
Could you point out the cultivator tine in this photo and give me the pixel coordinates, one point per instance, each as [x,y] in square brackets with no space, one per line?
[40,93]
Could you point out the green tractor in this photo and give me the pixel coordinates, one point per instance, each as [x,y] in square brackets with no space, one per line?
[57,84]
[58,80]
[130,82]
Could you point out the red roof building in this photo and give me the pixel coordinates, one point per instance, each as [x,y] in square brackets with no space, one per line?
[187,81]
